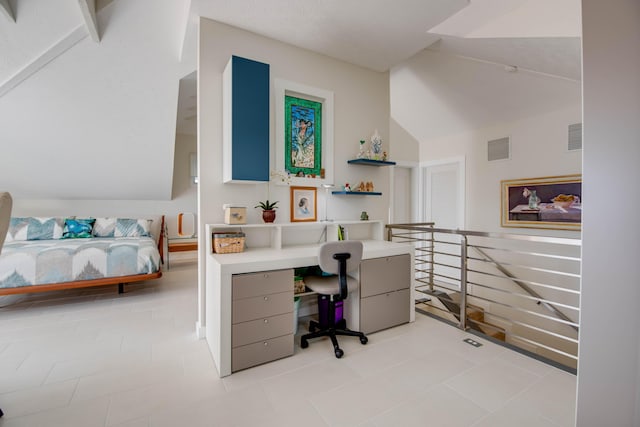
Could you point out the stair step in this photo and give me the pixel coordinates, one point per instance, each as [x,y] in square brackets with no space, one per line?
[474,313]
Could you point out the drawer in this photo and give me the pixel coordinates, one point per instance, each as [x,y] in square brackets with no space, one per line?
[261,352]
[258,330]
[384,311]
[380,275]
[262,306]
[262,283]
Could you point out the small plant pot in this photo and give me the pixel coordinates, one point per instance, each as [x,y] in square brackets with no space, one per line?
[269,215]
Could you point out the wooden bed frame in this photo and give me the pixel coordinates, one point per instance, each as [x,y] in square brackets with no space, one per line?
[120,280]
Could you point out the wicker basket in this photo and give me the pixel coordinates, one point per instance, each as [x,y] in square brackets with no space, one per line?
[228,243]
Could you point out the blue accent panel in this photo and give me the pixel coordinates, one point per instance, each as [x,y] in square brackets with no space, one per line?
[250,120]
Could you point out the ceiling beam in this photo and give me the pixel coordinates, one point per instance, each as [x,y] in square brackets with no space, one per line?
[88,9]
[39,62]
[5,8]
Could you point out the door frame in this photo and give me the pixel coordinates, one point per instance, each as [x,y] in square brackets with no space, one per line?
[414,168]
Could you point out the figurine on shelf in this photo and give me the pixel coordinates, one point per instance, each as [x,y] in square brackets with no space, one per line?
[360,187]
[384,156]
[368,187]
[376,146]
[362,154]
[364,216]
[347,187]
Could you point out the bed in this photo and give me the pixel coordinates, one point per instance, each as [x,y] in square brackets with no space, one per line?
[103,257]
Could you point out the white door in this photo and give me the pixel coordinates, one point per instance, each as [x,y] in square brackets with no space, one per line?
[443,204]
[443,193]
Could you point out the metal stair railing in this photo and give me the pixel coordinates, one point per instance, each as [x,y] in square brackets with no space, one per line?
[512,279]
[552,308]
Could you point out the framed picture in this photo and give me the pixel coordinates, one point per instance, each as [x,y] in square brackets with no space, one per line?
[304,204]
[553,202]
[304,133]
[302,137]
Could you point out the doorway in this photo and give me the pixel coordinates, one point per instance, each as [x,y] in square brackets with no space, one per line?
[443,193]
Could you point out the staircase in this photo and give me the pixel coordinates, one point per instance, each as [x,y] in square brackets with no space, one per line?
[475,314]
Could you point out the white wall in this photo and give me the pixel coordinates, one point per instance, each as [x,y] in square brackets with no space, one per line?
[538,149]
[184,197]
[185,192]
[608,369]
[453,106]
[361,104]
[98,121]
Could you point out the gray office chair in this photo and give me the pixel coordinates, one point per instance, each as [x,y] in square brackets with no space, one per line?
[5,218]
[337,258]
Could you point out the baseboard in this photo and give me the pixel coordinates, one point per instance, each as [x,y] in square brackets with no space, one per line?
[201,331]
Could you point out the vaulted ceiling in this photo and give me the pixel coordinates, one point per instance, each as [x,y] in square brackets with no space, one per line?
[89,88]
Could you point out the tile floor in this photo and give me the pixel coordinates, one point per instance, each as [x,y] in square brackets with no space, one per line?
[95,358]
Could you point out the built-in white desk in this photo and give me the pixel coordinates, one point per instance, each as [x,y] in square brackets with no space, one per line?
[274,250]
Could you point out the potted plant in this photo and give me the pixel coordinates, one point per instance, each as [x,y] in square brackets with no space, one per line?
[268,210]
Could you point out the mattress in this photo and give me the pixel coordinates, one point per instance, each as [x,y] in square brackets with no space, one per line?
[40,262]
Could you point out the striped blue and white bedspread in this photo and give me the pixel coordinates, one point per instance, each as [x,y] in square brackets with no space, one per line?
[39,262]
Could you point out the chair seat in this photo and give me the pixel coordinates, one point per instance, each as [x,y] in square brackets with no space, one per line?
[329,285]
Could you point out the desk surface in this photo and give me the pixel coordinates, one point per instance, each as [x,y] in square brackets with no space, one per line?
[297,256]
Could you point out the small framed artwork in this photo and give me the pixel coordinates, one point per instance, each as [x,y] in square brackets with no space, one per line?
[553,202]
[303,204]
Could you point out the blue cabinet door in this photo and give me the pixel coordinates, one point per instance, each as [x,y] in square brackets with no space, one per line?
[246,121]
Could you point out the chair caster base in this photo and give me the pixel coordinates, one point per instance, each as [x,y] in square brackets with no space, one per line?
[339,353]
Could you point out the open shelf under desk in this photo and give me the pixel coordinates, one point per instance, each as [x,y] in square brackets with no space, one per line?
[305,294]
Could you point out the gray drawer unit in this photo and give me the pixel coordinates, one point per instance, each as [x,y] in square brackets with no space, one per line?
[261,352]
[385,285]
[262,283]
[379,275]
[257,330]
[384,311]
[261,317]
[262,306]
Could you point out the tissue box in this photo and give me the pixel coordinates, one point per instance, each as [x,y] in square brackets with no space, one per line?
[235,215]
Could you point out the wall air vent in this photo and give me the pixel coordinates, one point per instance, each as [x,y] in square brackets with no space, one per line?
[575,137]
[499,149]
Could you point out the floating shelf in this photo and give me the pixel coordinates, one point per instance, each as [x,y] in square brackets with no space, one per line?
[370,162]
[358,193]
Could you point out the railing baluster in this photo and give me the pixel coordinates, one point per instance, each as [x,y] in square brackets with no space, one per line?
[463,283]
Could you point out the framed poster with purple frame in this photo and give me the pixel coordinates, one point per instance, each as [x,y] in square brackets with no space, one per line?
[553,202]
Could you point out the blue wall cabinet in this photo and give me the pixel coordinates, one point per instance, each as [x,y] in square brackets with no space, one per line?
[245,147]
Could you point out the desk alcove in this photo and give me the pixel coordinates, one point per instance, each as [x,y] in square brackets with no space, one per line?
[249,314]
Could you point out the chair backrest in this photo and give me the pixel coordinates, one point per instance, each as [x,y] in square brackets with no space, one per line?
[5,216]
[330,265]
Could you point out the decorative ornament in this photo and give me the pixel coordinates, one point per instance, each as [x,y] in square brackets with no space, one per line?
[362,154]
[376,146]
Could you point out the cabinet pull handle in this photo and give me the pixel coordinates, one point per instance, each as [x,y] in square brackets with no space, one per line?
[266,298]
[265,343]
[266,320]
[266,276]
